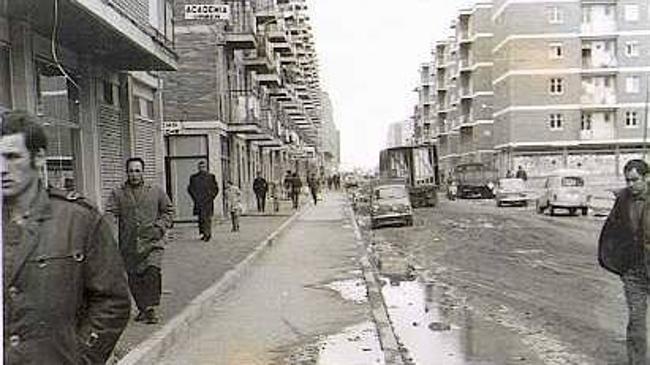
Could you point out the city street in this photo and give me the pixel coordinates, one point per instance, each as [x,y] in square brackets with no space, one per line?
[534,276]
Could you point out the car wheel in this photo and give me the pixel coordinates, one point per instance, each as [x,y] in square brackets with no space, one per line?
[584,210]
[572,211]
[551,209]
[409,222]
[499,204]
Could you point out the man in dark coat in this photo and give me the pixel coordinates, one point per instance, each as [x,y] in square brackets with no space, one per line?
[521,173]
[260,187]
[66,299]
[296,186]
[203,188]
[144,214]
[314,186]
[624,249]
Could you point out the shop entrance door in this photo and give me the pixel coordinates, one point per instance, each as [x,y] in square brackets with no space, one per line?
[183,155]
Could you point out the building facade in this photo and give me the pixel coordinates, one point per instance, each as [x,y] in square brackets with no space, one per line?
[88,70]
[329,137]
[246,98]
[566,89]
[571,85]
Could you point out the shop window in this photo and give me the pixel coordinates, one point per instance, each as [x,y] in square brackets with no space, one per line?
[5,79]
[58,106]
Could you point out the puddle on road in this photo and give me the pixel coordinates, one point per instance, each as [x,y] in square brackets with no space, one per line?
[353,290]
[435,331]
[356,345]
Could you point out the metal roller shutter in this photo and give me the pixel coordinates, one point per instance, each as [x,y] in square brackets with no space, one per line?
[145,146]
[111,149]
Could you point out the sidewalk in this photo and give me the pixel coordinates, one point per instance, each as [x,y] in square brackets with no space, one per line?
[191,266]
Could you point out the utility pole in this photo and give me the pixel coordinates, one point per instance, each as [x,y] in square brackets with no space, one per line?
[645,121]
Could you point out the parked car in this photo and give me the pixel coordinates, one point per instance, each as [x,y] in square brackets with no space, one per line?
[512,192]
[390,204]
[564,189]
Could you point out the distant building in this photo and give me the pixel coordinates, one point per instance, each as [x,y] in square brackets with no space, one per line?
[329,136]
[400,134]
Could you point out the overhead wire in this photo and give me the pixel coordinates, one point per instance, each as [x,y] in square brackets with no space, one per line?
[53,38]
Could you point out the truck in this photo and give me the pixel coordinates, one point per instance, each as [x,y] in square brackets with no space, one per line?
[474,180]
[417,166]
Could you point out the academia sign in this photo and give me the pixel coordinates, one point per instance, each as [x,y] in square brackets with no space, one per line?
[207,12]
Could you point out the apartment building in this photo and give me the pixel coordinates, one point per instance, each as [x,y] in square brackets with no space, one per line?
[246,97]
[88,69]
[329,136]
[570,85]
[423,114]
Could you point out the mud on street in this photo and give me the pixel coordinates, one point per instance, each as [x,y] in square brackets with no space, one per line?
[521,288]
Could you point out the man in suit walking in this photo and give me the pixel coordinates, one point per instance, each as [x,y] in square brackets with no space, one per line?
[203,188]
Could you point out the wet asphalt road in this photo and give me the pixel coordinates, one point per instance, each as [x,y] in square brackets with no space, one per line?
[534,276]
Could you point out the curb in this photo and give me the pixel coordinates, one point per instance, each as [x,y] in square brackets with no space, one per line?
[386,335]
[163,341]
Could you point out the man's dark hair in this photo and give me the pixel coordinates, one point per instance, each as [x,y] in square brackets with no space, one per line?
[19,121]
[134,159]
[639,165]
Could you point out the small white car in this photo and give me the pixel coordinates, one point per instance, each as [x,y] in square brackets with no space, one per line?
[512,192]
[564,189]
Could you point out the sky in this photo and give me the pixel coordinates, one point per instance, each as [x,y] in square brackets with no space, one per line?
[369,54]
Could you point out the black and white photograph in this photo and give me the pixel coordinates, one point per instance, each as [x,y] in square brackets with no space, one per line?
[325,182]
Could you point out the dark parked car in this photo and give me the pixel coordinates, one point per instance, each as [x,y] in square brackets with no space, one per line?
[390,204]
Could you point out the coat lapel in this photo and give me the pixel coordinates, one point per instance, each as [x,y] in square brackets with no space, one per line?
[31,237]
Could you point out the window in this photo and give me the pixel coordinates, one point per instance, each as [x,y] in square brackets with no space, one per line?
[632,49]
[556,86]
[556,51]
[585,122]
[143,108]
[5,79]
[58,105]
[555,121]
[631,12]
[632,84]
[555,15]
[108,93]
[631,119]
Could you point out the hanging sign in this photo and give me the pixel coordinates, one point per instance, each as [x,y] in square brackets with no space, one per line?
[207,12]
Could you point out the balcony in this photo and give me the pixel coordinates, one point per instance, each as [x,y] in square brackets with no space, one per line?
[269,79]
[597,96]
[240,30]
[598,19]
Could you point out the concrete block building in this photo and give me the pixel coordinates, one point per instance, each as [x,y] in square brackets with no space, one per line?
[89,70]
[570,85]
[543,85]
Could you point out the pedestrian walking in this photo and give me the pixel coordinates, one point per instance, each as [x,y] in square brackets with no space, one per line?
[203,188]
[521,173]
[65,294]
[624,249]
[233,201]
[314,186]
[509,174]
[288,178]
[296,187]
[260,188]
[144,213]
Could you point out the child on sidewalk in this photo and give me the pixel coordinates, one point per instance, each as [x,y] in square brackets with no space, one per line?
[233,201]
